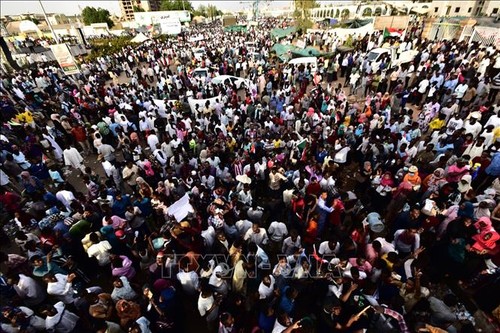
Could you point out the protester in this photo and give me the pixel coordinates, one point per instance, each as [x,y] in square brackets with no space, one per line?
[247,206]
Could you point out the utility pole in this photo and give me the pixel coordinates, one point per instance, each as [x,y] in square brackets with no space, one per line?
[48,22]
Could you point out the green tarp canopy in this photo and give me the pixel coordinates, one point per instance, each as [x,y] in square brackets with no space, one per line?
[236,28]
[306,52]
[285,52]
[281,51]
[282,33]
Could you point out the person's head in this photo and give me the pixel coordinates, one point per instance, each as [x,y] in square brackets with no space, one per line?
[324,195]
[221,236]
[49,277]
[226,319]
[94,238]
[415,212]
[37,261]
[377,246]
[48,310]
[252,248]
[410,284]
[184,264]
[332,305]
[291,293]
[256,228]
[283,318]
[266,280]
[117,282]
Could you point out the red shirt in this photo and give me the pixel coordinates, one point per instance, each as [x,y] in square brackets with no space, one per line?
[79,134]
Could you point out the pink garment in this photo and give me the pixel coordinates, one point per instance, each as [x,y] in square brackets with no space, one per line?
[126,270]
[116,222]
[459,172]
[366,267]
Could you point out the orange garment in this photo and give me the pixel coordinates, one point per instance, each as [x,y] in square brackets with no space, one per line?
[311,232]
[414,180]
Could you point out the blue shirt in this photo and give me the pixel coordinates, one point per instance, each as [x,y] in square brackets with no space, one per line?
[113,127]
[286,304]
[494,168]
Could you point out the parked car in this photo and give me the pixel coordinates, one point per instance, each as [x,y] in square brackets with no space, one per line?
[238,81]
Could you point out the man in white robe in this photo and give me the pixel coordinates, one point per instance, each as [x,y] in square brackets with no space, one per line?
[73,158]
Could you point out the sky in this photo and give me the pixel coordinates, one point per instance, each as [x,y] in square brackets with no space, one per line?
[71,7]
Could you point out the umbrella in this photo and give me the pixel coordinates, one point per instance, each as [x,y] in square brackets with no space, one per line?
[244,179]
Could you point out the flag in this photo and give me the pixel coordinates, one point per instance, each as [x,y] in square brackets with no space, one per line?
[392,32]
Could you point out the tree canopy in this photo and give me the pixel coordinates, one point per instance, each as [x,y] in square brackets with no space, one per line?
[303,12]
[176,5]
[96,15]
[209,11]
[138,9]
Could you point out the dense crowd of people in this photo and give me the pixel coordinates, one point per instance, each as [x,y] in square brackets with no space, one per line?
[360,196]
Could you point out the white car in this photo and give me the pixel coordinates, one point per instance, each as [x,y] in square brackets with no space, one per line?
[200,72]
[238,81]
[375,57]
[199,54]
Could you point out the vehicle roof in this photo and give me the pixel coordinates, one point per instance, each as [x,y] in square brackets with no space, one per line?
[303,59]
[379,50]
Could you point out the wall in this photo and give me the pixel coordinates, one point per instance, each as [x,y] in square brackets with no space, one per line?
[398,22]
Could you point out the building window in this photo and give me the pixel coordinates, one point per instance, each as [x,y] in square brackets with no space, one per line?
[494,11]
[457,9]
[470,10]
[436,9]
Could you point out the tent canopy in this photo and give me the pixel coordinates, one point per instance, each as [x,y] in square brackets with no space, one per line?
[236,28]
[286,52]
[282,33]
[357,23]
[421,11]
[140,38]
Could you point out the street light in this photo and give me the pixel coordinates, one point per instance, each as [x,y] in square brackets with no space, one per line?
[48,22]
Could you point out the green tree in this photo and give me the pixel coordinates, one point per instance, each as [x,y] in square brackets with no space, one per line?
[34,20]
[213,11]
[176,5]
[303,12]
[200,11]
[96,15]
[138,9]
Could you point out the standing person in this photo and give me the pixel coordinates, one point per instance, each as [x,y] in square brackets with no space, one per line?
[208,305]
[80,135]
[323,211]
[130,173]
[73,158]
[59,319]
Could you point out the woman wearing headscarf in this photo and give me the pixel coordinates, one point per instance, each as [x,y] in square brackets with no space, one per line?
[433,182]
[145,190]
[127,311]
[31,184]
[413,178]
[383,185]
[464,210]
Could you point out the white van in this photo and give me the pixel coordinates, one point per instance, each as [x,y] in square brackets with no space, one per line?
[375,55]
[311,61]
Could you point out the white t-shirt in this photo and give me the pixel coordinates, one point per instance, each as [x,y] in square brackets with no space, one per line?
[100,252]
[277,231]
[265,291]
[205,304]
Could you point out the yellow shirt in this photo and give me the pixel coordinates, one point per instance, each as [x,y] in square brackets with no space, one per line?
[25,117]
[496,134]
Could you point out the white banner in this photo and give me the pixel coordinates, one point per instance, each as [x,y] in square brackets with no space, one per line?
[65,59]
[201,103]
[181,208]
